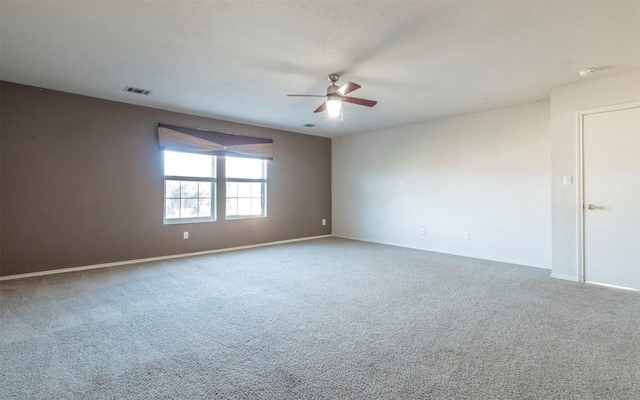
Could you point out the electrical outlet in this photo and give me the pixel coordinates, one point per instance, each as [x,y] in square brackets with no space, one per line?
[324,222]
[467,235]
[185,235]
[423,231]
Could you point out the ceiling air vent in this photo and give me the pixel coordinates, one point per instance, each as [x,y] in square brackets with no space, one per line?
[309,125]
[136,90]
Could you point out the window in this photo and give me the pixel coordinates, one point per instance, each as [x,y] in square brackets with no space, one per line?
[189,187]
[246,180]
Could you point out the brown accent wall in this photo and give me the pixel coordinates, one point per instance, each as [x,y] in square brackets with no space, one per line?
[82,184]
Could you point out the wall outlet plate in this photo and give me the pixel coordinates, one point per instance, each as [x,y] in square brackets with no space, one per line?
[185,235]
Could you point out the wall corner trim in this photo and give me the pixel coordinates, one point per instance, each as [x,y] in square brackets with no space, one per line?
[151,259]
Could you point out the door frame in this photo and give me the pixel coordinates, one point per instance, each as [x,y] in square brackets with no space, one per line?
[580,175]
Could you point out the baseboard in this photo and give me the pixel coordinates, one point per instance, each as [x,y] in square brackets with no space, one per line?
[150,259]
[507,261]
[614,286]
[565,277]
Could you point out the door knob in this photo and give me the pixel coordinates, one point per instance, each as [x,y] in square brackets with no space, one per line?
[591,206]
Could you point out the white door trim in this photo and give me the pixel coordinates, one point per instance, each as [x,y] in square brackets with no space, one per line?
[580,174]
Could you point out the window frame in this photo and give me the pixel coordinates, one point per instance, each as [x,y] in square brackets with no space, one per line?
[213,181]
[262,181]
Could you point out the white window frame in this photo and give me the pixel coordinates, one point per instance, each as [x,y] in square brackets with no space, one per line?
[263,197]
[214,190]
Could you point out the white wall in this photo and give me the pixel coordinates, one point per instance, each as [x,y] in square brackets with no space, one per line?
[565,102]
[486,173]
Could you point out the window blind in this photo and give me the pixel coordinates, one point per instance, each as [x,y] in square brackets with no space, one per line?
[191,140]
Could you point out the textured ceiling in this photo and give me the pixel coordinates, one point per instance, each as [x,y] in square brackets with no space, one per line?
[237,60]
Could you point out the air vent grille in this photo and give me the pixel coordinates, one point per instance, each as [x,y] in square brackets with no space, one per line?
[136,90]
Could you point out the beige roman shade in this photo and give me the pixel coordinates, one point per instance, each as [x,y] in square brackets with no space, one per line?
[214,143]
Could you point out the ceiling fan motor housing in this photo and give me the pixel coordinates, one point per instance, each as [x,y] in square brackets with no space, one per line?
[331,90]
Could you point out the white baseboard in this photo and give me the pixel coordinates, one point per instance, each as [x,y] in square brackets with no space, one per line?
[150,259]
[503,260]
[613,286]
[565,277]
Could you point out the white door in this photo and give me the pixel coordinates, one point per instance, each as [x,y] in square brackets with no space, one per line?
[611,161]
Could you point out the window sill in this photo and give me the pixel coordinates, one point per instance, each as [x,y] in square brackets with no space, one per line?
[187,221]
[245,217]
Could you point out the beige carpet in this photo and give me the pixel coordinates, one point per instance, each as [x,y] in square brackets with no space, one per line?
[323,319]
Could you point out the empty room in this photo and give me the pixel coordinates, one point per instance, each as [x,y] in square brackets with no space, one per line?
[286,199]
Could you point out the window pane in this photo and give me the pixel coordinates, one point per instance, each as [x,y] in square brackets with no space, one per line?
[189,164]
[256,189]
[232,207]
[247,168]
[172,208]
[204,189]
[256,206]
[232,189]
[244,189]
[188,189]
[204,208]
[172,189]
[244,206]
[189,208]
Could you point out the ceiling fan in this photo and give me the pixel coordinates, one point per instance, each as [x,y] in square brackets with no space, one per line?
[336,95]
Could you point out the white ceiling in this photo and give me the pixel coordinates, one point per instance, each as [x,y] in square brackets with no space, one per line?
[237,60]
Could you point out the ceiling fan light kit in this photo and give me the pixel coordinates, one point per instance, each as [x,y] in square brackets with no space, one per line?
[336,96]
[334,106]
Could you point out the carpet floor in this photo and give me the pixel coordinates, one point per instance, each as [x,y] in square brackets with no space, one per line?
[321,319]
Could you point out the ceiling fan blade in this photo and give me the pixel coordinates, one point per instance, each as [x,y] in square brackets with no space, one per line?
[307,95]
[322,107]
[361,102]
[348,88]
